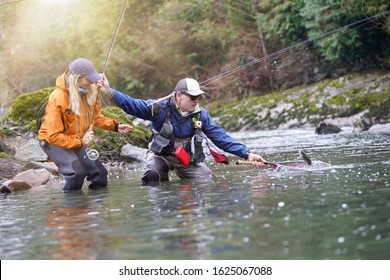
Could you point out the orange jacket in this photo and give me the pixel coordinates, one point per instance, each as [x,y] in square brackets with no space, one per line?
[61,127]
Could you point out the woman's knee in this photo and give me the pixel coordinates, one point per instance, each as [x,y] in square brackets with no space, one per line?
[79,170]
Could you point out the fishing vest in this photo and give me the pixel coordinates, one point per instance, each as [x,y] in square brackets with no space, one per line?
[163,141]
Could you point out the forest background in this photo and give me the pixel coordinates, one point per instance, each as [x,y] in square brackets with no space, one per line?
[270,45]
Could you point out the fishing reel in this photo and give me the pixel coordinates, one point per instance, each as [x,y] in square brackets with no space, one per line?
[92,154]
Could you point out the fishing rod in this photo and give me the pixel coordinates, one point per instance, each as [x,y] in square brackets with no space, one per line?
[356,24]
[115,34]
[93,154]
[305,164]
[273,164]
[305,161]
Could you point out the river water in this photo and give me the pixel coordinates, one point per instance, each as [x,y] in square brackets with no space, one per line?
[342,212]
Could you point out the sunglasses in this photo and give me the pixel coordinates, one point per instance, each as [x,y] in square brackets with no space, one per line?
[193,98]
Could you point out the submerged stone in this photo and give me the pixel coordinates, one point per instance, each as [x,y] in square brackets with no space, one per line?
[326,128]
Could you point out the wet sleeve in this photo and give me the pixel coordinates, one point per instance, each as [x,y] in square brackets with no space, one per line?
[101,121]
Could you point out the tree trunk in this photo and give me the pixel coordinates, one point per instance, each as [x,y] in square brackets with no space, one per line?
[255,5]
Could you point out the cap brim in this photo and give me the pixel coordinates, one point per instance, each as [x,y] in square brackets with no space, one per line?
[94,77]
[195,92]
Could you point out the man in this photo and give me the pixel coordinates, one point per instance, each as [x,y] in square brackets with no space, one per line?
[179,127]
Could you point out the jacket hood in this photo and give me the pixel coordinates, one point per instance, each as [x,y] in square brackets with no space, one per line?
[60,82]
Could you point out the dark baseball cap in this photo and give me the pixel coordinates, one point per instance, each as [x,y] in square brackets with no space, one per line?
[84,67]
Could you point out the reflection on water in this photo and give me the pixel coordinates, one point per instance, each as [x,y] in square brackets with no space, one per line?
[243,213]
[72,226]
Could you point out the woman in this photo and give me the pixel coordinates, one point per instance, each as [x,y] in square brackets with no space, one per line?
[71,112]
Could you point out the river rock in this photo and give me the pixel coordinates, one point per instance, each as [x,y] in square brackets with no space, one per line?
[35,177]
[49,166]
[363,124]
[10,186]
[133,153]
[31,151]
[326,128]
[4,147]
[380,128]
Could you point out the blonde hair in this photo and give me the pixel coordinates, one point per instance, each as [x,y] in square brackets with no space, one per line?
[75,96]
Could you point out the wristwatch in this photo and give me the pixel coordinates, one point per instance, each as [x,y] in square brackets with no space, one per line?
[247,155]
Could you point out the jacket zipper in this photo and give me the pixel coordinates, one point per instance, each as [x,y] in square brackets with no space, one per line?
[87,113]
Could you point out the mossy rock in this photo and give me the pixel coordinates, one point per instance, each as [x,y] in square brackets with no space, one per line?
[5,155]
[25,107]
[110,143]
[343,97]
[381,109]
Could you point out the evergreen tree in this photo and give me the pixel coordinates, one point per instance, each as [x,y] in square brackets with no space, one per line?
[347,44]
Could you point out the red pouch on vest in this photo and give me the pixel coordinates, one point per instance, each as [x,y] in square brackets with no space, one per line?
[182,155]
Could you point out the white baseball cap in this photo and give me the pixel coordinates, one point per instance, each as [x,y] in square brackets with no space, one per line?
[189,86]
